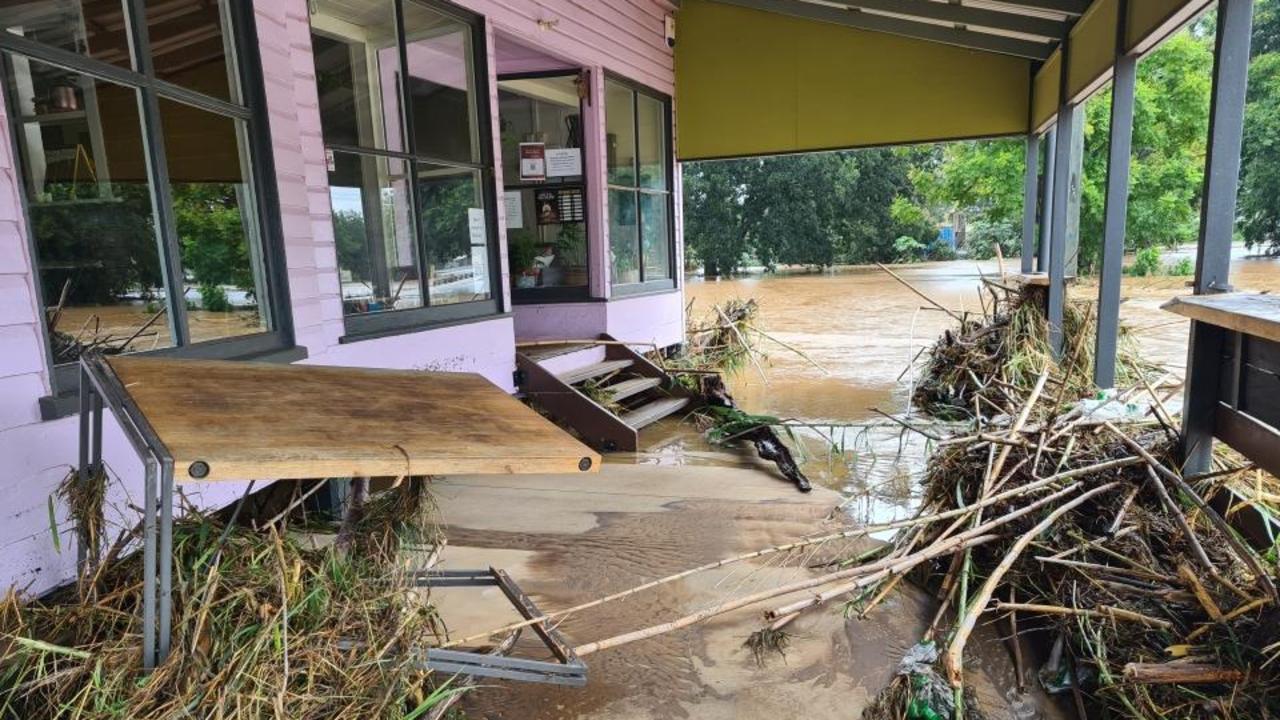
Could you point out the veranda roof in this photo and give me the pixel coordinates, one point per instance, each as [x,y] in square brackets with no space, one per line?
[760,77]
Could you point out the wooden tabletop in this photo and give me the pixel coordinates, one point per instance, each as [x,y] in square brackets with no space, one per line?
[1248,313]
[275,421]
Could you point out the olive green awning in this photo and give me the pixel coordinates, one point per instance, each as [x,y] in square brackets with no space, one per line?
[758,77]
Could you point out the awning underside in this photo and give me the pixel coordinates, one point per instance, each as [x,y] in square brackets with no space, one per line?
[776,76]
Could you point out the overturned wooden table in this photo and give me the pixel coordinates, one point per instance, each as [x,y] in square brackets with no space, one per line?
[220,420]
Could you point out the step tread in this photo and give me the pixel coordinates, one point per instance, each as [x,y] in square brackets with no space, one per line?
[652,412]
[588,372]
[635,386]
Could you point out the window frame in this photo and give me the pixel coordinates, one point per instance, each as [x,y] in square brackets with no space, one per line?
[245,62]
[538,296]
[644,286]
[394,322]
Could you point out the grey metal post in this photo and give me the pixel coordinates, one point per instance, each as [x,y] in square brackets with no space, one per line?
[166,558]
[82,474]
[1217,224]
[1122,94]
[1058,226]
[1030,195]
[149,564]
[1046,203]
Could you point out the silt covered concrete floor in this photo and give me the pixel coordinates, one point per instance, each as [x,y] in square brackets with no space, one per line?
[570,539]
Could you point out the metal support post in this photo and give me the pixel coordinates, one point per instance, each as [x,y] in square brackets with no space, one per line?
[1058,226]
[1030,190]
[1046,201]
[1217,221]
[1123,83]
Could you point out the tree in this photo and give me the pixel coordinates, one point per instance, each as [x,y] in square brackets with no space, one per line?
[715,225]
[1259,207]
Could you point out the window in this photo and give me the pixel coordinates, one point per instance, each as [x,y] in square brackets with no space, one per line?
[639,172]
[545,206]
[138,165]
[410,181]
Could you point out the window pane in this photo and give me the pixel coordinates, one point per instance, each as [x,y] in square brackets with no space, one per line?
[620,133]
[653,142]
[624,250]
[549,247]
[441,85]
[94,28]
[190,45]
[539,110]
[213,204]
[91,214]
[655,234]
[373,228]
[456,232]
[357,63]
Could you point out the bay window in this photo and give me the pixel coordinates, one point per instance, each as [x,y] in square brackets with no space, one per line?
[410,180]
[641,234]
[141,141]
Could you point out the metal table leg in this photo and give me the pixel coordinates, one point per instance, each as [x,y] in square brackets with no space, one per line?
[149,567]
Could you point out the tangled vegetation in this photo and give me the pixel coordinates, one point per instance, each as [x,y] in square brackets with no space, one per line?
[267,623]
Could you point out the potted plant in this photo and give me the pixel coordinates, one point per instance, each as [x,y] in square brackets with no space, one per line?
[572,245]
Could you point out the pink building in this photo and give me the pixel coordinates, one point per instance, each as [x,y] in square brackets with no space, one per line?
[374,183]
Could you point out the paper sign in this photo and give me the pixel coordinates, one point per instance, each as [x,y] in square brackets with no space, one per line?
[533,161]
[514,209]
[330,162]
[479,250]
[564,162]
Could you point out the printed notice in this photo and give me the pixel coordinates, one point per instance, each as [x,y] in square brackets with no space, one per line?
[564,162]
[479,250]
[513,209]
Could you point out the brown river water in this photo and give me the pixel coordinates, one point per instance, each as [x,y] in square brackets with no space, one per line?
[863,329]
[859,330]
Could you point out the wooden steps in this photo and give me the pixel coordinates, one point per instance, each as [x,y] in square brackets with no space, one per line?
[627,388]
[593,371]
[608,398]
[652,412]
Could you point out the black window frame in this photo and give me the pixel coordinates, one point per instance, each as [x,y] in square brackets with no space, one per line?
[645,287]
[545,295]
[277,343]
[395,322]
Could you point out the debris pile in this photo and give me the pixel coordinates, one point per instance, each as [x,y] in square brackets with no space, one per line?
[266,624]
[724,343]
[989,362]
[1070,520]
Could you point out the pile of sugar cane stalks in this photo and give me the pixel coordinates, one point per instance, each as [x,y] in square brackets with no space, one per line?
[1070,521]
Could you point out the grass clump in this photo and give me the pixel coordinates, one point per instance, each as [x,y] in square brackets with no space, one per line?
[265,624]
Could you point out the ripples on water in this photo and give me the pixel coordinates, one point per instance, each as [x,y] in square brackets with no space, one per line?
[865,329]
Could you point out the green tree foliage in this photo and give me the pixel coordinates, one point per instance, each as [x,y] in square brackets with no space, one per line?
[814,209]
[984,180]
[212,234]
[715,226]
[1170,128]
[1259,206]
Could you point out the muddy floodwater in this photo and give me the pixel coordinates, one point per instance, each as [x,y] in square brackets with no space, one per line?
[859,331]
[863,329]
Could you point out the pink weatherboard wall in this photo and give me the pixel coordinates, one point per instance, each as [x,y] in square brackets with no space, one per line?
[624,37]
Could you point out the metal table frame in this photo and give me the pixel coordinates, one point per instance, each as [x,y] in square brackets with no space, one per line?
[101,388]
[569,671]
